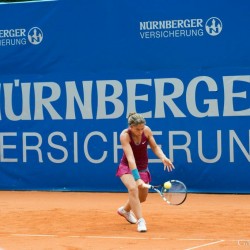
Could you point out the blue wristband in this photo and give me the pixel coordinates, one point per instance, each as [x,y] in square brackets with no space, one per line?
[136,174]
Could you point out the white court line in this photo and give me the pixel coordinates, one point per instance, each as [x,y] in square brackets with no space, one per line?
[123,237]
[119,237]
[214,241]
[200,239]
[205,245]
[87,236]
[34,235]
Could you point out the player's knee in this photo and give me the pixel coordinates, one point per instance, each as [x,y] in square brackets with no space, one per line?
[133,189]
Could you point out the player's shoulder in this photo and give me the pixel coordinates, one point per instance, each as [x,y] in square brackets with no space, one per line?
[147,131]
[125,133]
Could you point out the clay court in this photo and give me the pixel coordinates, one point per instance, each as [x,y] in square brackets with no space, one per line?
[79,220]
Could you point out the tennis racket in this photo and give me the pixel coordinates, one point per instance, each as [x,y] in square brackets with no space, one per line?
[175,195]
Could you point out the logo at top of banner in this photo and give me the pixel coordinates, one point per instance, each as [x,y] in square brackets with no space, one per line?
[180,28]
[213,26]
[35,35]
[20,36]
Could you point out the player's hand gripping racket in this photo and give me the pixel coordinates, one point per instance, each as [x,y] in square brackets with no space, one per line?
[174,192]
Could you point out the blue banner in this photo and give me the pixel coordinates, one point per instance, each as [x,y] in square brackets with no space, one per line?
[71,71]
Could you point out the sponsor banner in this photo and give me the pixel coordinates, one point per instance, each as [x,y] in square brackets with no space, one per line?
[71,73]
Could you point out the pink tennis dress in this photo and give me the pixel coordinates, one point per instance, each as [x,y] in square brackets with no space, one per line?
[141,159]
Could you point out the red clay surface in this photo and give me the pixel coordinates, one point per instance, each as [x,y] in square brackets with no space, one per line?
[78,220]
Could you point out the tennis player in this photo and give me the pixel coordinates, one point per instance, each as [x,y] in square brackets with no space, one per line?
[133,168]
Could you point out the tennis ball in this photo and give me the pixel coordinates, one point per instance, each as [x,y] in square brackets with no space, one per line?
[167,185]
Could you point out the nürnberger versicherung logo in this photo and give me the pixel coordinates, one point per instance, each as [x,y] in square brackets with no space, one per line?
[180,28]
[20,36]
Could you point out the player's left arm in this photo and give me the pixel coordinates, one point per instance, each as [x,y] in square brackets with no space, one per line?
[158,151]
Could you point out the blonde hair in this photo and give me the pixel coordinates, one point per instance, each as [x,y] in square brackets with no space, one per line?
[135,119]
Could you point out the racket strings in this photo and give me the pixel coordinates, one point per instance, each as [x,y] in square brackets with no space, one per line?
[176,194]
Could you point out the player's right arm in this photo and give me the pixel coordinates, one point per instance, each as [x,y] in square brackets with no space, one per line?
[125,141]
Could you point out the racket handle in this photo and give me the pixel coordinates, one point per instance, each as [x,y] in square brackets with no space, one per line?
[147,186]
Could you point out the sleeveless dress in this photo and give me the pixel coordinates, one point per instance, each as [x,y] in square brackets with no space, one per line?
[141,159]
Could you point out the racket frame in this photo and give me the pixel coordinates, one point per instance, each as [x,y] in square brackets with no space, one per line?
[158,187]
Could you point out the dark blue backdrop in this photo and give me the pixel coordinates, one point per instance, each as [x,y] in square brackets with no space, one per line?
[70,72]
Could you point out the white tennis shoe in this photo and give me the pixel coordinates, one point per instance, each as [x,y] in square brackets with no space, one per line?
[141,225]
[127,215]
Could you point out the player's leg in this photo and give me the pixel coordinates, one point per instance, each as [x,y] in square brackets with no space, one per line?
[143,194]
[133,201]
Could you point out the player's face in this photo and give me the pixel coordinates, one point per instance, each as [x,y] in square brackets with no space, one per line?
[137,130]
